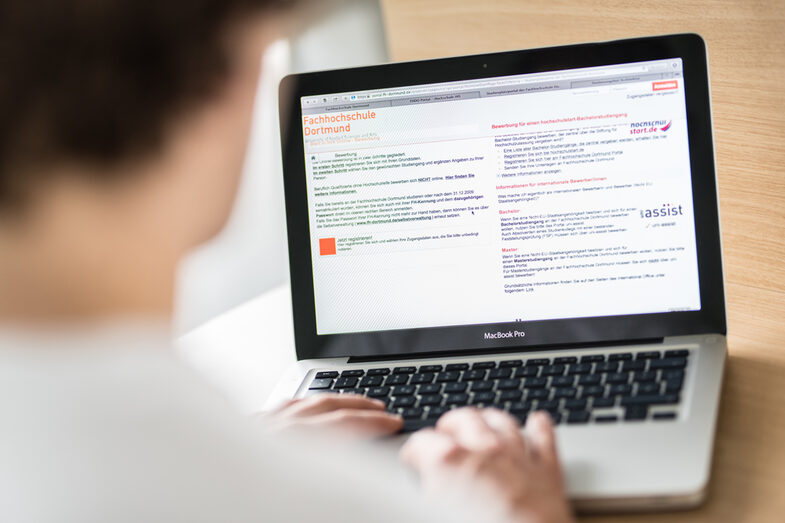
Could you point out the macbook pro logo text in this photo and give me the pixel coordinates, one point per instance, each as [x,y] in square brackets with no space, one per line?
[500,335]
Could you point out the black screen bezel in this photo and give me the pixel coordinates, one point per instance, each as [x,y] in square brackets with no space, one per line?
[539,334]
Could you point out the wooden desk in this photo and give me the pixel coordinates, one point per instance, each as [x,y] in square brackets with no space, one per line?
[746,41]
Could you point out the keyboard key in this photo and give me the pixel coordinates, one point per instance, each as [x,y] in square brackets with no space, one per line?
[619,389]
[565,393]
[620,356]
[645,376]
[589,379]
[457,366]
[593,390]
[606,418]
[455,386]
[430,400]
[508,395]
[413,425]
[404,370]
[353,373]
[661,416]
[430,388]
[484,365]
[480,386]
[670,374]
[648,388]
[430,368]
[566,359]
[563,381]
[396,379]
[534,383]
[603,403]
[510,363]
[474,375]
[422,378]
[435,412]
[633,365]
[677,353]
[404,401]
[651,399]
[495,374]
[580,368]
[327,374]
[378,392]
[538,394]
[520,407]
[592,358]
[553,370]
[673,385]
[484,397]
[525,372]
[636,413]
[412,413]
[378,372]
[371,381]
[617,377]
[578,416]
[648,355]
[321,384]
[668,363]
[548,405]
[456,399]
[345,383]
[508,384]
[452,375]
[403,390]
[607,366]
[575,404]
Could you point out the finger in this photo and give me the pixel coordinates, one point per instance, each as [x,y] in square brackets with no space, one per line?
[539,428]
[506,427]
[468,427]
[329,402]
[428,448]
[283,406]
[369,423]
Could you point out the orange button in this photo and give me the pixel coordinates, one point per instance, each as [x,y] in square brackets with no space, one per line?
[326,246]
[664,86]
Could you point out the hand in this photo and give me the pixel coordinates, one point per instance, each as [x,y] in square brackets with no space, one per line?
[352,414]
[480,456]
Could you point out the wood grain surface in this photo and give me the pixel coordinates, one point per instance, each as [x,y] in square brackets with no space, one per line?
[746,41]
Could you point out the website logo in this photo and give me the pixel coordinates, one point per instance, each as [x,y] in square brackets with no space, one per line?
[665,211]
[650,126]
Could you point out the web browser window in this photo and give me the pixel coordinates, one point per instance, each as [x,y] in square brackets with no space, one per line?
[541,196]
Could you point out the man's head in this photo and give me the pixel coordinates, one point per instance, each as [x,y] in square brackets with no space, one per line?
[123,126]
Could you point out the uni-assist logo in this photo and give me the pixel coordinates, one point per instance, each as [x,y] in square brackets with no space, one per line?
[501,335]
[665,211]
[650,126]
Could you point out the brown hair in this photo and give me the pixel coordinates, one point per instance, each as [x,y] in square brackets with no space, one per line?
[97,80]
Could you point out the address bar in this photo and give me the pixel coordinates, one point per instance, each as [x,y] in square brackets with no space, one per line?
[534,77]
[513,80]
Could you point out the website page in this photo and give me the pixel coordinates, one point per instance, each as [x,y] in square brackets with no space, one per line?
[552,195]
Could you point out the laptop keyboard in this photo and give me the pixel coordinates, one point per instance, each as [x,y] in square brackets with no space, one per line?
[594,388]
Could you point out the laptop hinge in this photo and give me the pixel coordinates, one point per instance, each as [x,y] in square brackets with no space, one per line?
[504,350]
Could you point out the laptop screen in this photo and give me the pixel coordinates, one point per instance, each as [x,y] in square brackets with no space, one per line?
[555,195]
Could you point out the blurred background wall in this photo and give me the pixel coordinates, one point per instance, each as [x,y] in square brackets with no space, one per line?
[250,255]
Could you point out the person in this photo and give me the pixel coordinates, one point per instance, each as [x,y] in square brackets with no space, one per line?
[123,126]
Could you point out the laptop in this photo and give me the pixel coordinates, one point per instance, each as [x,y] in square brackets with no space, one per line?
[526,230]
